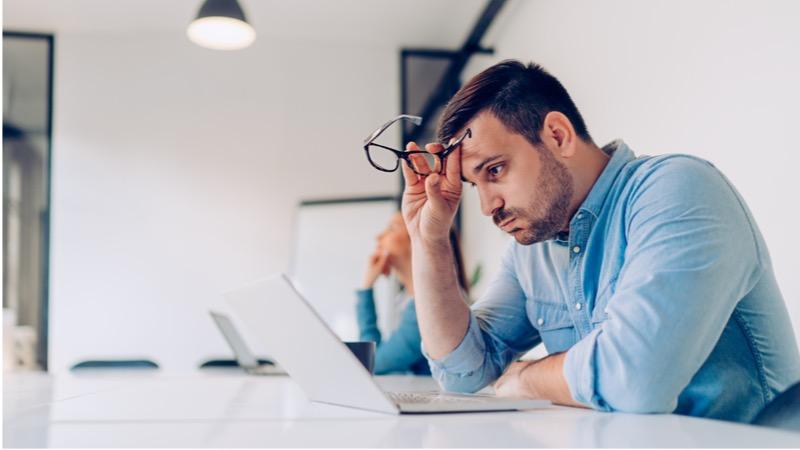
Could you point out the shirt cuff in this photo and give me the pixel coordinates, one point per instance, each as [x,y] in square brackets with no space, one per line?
[580,371]
[467,357]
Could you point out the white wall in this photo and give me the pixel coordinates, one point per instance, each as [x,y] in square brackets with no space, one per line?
[176,169]
[176,172]
[718,79]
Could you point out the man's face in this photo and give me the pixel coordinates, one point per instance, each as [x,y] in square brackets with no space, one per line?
[525,189]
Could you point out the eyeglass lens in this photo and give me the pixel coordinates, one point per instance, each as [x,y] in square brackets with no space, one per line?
[383,158]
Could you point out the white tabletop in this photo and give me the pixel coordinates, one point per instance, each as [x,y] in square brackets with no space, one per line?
[226,408]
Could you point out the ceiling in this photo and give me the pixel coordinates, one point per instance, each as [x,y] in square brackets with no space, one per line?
[426,23]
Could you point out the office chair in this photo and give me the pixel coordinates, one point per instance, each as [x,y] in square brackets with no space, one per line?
[783,411]
[115,364]
[228,363]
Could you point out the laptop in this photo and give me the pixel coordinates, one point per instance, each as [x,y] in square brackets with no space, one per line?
[243,355]
[274,311]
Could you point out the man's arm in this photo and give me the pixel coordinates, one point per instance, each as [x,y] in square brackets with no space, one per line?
[442,313]
[429,207]
[692,254]
[543,379]
[466,349]
[499,331]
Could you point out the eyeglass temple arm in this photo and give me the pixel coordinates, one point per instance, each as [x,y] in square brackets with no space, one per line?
[416,120]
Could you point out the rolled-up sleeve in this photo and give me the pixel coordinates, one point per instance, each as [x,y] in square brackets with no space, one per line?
[692,253]
[499,332]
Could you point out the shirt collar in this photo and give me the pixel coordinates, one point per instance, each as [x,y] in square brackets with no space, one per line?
[620,154]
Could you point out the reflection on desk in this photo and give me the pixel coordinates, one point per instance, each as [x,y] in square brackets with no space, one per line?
[231,409]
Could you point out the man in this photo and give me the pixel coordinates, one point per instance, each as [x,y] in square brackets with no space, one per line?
[646,278]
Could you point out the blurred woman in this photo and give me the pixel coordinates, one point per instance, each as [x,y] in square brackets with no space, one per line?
[401,351]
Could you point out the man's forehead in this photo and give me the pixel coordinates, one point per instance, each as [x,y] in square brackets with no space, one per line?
[473,154]
[482,144]
[487,132]
[472,150]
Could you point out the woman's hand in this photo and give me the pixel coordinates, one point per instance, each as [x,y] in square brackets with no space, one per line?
[378,265]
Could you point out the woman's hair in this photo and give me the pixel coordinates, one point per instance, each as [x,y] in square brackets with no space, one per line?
[458,257]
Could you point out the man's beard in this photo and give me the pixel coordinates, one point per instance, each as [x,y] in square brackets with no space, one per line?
[553,192]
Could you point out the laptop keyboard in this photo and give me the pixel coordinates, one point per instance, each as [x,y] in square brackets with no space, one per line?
[432,397]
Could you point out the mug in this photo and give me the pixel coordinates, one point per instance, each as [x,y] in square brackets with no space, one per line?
[365,352]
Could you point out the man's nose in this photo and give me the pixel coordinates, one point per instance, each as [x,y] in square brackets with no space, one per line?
[489,203]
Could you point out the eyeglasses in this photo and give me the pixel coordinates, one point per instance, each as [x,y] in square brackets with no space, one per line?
[387,159]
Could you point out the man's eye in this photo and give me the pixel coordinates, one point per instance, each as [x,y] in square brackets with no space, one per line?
[496,170]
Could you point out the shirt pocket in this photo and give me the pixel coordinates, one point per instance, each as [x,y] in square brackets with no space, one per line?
[554,324]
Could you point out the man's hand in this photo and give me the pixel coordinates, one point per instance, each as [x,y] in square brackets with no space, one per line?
[541,379]
[430,203]
[429,207]
[511,383]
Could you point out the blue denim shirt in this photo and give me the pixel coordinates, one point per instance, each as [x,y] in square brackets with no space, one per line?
[662,294]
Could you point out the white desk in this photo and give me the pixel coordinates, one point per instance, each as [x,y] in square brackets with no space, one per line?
[226,408]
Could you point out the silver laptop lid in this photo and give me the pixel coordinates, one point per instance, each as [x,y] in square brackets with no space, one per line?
[274,312]
[243,355]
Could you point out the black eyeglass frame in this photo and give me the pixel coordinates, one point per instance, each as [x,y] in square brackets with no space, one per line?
[406,155]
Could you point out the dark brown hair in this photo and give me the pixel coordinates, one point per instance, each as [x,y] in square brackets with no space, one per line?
[519,96]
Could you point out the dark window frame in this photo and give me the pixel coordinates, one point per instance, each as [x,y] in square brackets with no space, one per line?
[42,353]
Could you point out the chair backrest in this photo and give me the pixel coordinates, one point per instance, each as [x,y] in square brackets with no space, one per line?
[783,411]
[115,364]
[230,363]
[219,363]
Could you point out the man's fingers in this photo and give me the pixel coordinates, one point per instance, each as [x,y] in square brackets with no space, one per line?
[420,163]
[434,147]
[452,163]
[433,189]
[410,177]
[453,166]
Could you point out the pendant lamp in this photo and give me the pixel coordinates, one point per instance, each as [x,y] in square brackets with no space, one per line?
[221,25]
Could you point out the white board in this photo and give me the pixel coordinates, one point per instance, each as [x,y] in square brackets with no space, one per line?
[333,242]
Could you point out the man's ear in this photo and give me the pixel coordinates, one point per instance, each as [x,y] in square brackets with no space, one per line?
[559,134]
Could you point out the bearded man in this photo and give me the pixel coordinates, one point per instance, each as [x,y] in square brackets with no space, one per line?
[646,278]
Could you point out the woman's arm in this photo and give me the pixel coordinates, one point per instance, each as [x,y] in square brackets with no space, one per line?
[402,349]
[367,318]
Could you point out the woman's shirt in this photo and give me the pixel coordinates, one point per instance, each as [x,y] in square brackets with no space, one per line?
[401,351]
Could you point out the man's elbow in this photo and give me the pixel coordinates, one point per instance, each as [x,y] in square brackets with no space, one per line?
[464,383]
[639,400]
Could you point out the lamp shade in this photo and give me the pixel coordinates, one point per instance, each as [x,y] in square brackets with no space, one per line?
[221,25]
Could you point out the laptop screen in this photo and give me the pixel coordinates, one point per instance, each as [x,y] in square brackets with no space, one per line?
[243,354]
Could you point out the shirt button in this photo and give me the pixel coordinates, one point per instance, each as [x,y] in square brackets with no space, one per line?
[578,306]
[540,321]
[605,310]
[580,216]
[576,249]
